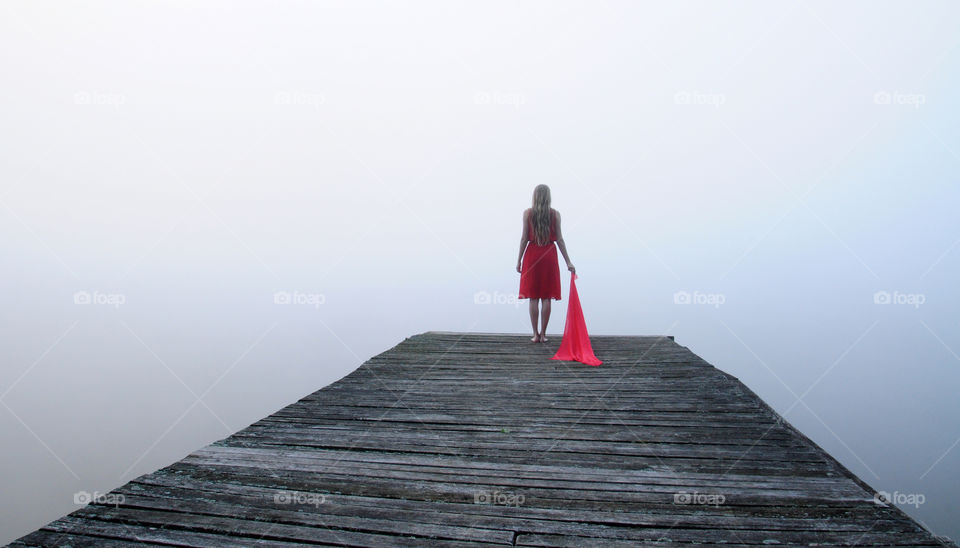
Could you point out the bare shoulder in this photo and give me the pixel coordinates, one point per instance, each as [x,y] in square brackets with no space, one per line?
[526,212]
[555,213]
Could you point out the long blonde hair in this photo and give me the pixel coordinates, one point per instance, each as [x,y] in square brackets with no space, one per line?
[540,214]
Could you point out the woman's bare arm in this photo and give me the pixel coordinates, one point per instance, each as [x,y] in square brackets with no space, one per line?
[563,246]
[523,238]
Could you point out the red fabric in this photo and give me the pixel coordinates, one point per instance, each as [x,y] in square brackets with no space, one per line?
[575,345]
[540,270]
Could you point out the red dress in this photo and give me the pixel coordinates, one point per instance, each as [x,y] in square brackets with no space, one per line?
[540,270]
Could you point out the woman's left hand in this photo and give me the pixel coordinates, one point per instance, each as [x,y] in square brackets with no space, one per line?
[518,267]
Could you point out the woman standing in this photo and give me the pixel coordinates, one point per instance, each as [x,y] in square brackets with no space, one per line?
[537,263]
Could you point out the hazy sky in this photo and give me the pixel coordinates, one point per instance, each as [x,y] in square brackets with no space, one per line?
[183,166]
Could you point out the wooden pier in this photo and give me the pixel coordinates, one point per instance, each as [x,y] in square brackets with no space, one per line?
[459,439]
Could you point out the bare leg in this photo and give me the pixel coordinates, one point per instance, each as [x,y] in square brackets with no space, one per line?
[544,319]
[533,319]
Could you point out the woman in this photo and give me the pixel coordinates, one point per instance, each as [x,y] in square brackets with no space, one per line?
[537,263]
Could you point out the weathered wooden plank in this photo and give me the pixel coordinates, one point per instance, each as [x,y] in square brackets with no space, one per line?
[325,458]
[662,484]
[734,538]
[531,519]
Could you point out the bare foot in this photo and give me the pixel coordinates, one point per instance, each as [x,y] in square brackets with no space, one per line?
[543,337]
[536,338]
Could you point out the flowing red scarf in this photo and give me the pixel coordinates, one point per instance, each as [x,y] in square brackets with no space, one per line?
[575,345]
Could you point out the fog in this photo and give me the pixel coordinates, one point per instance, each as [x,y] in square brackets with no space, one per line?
[208,211]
